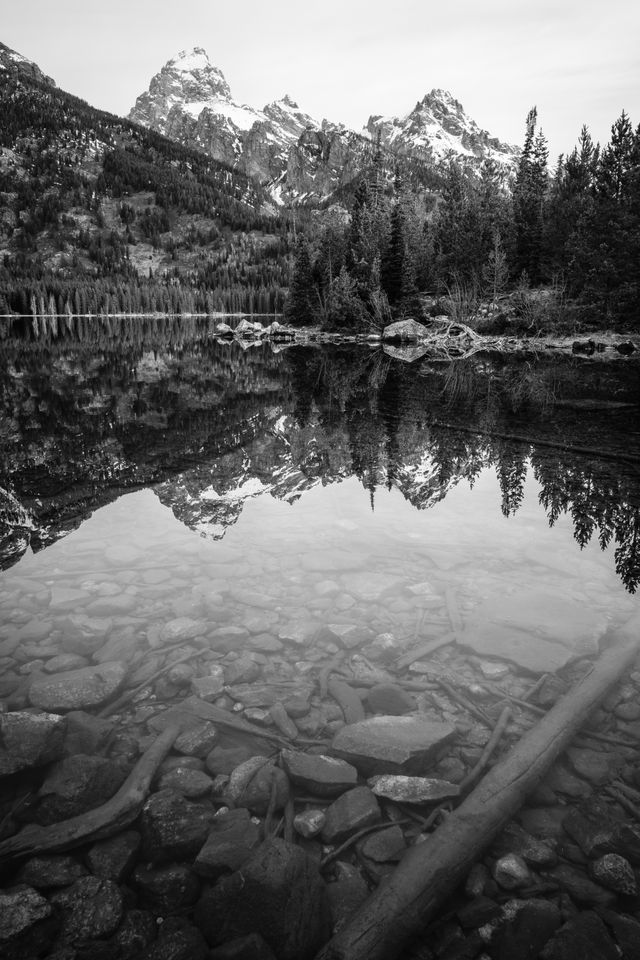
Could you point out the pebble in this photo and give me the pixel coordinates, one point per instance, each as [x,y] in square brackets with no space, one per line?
[511,872]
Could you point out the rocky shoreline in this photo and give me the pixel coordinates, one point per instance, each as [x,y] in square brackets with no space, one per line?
[307,758]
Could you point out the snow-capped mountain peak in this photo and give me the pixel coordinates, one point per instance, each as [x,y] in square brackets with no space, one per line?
[438,129]
[190,101]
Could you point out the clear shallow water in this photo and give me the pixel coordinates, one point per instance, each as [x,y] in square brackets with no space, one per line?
[278,492]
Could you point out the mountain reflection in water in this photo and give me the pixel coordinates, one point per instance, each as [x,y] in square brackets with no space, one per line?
[91,410]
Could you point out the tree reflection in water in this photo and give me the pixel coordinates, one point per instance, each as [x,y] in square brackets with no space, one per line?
[95,408]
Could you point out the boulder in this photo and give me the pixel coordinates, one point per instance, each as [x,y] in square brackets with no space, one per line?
[597,832]
[168,888]
[408,329]
[91,909]
[77,689]
[137,931]
[174,828]
[278,894]
[319,775]
[348,635]
[532,927]
[190,783]
[114,858]
[540,631]
[27,923]
[86,733]
[390,699]
[584,937]
[29,740]
[177,940]
[77,784]
[197,741]
[348,892]
[180,630]
[392,744]
[352,811]
[412,789]
[231,841]
[251,947]
[51,870]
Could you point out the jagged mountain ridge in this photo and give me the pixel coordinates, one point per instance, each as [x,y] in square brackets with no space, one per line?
[14,63]
[190,101]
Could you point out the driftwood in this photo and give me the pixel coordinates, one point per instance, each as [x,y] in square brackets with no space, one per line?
[425,648]
[114,815]
[429,872]
[474,775]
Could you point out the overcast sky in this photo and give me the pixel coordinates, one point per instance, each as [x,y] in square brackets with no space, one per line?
[577,60]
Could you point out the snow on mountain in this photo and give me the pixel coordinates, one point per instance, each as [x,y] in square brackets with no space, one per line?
[439,130]
[14,62]
[283,147]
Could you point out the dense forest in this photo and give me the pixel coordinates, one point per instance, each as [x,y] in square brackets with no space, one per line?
[572,234]
[101,216]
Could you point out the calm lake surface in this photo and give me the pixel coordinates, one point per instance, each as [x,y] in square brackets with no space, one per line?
[151,472]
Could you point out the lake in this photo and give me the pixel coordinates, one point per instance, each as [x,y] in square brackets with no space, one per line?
[152,474]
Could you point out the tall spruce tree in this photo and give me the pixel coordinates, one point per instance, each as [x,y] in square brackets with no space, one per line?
[528,200]
[301,304]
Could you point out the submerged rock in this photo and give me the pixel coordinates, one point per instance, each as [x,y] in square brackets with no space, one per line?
[412,789]
[320,775]
[30,740]
[91,909]
[78,784]
[278,894]
[174,828]
[391,744]
[27,923]
[615,873]
[541,632]
[352,811]
[231,841]
[77,689]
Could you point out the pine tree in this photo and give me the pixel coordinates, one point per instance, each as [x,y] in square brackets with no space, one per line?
[300,307]
[528,200]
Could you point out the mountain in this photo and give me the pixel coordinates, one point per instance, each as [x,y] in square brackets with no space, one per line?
[284,148]
[15,64]
[437,130]
[100,214]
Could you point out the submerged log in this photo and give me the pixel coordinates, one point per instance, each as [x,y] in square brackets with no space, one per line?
[429,872]
[113,816]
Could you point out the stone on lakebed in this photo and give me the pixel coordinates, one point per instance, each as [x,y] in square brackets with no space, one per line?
[30,740]
[538,630]
[392,744]
[322,776]
[77,689]
[412,789]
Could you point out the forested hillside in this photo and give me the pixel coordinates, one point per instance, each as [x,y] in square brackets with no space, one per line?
[564,244]
[98,214]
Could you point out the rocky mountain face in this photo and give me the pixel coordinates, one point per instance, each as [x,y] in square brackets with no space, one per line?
[14,63]
[190,101]
[437,130]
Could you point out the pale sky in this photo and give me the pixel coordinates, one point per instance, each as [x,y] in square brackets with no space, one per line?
[576,60]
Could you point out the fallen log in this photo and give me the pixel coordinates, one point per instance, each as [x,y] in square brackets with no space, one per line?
[114,815]
[429,872]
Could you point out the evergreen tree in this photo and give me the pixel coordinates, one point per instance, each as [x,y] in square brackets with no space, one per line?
[300,307]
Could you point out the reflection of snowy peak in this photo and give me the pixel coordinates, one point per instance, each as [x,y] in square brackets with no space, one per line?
[419,483]
[285,463]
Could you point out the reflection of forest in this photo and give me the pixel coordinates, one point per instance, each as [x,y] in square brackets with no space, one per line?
[84,418]
[393,413]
